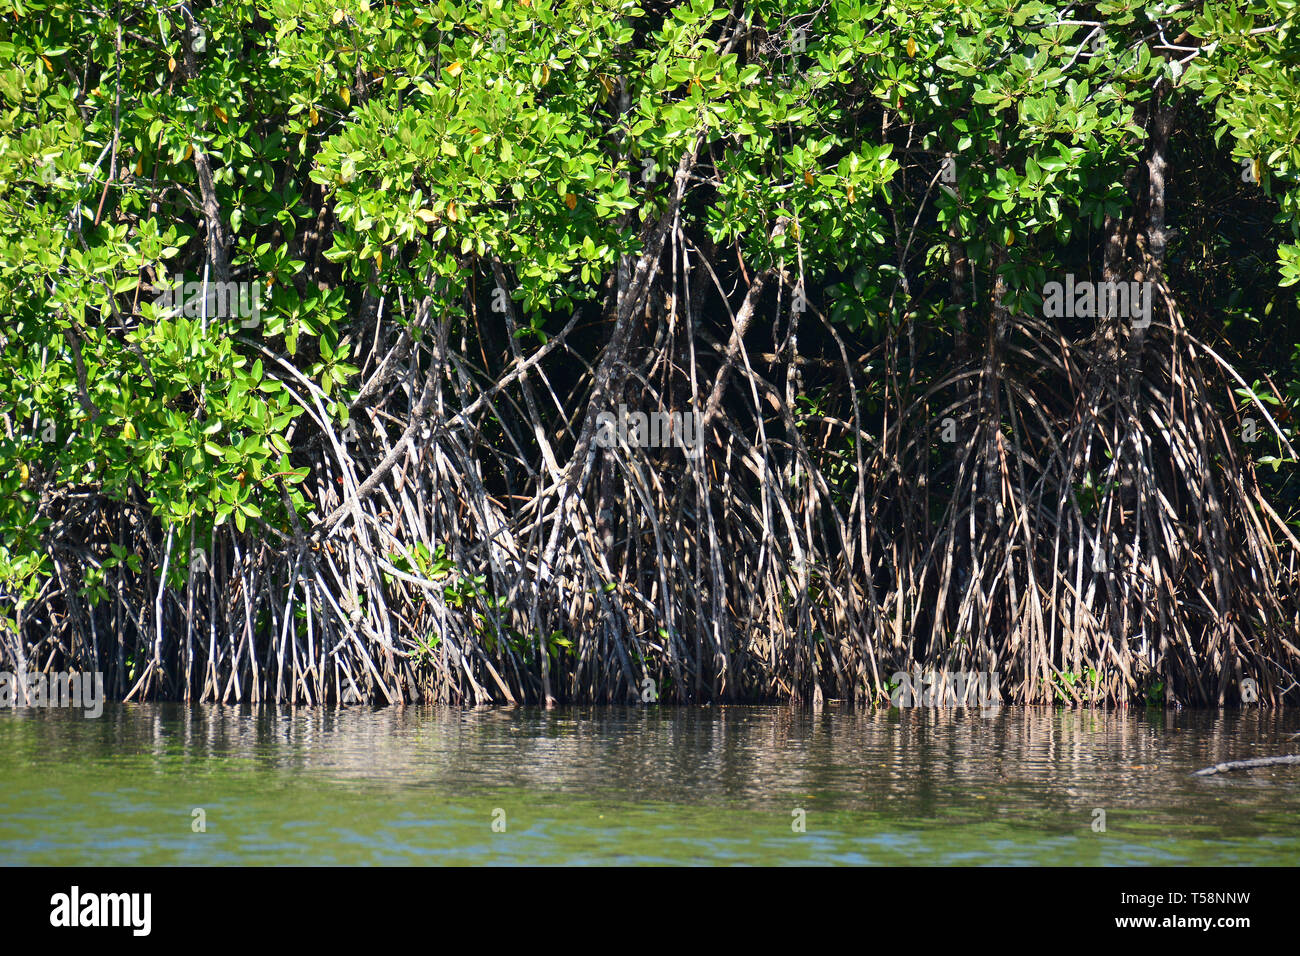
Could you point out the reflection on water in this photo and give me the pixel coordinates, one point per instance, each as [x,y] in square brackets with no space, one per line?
[412,785]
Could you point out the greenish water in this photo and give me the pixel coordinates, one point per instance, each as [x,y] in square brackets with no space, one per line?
[653,785]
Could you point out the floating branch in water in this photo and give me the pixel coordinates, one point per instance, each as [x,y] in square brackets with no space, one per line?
[1247,764]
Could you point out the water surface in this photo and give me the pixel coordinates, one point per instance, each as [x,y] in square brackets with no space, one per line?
[723,785]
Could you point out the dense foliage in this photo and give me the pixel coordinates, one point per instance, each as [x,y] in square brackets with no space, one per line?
[358,453]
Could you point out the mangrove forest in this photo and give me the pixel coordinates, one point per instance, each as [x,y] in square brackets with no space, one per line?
[612,351]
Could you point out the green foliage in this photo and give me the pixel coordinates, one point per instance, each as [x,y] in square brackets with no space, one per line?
[1077,687]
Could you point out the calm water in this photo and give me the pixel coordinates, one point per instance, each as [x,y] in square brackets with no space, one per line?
[658,785]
